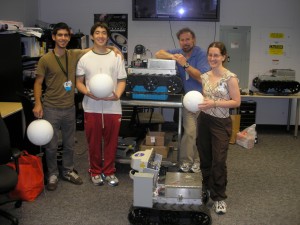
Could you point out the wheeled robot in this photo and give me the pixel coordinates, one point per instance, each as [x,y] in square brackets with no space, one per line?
[178,200]
[155,80]
[281,82]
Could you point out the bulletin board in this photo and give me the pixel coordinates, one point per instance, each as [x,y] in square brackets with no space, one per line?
[118,25]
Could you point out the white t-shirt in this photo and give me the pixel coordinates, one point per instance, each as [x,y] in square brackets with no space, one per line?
[91,64]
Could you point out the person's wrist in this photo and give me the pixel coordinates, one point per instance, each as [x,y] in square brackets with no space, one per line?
[186,65]
[215,104]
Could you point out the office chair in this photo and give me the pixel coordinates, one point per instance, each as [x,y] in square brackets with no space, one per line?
[8,176]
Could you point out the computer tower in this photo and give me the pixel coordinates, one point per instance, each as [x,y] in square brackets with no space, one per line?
[247,111]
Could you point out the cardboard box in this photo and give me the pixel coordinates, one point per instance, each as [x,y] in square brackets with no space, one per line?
[236,120]
[173,145]
[155,138]
[162,150]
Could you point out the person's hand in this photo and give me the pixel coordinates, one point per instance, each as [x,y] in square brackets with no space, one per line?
[112,97]
[176,56]
[180,59]
[90,95]
[38,111]
[207,104]
[116,51]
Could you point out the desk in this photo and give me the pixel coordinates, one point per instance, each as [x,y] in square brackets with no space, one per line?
[173,101]
[9,108]
[290,98]
[8,111]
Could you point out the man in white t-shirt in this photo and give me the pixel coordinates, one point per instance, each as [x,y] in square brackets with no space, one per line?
[102,115]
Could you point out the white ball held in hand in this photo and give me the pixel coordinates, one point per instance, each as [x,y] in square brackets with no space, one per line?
[101,85]
[40,132]
[191,101]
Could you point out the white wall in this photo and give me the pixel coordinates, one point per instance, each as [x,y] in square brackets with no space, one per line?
[25,11]
[264,17]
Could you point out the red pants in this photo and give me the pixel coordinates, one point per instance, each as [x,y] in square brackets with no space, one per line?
[102,160]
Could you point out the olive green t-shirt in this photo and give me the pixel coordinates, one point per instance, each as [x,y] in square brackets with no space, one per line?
[55,95]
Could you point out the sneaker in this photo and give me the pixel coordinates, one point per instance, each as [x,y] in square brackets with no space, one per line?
[97,180]
[220,207]
[112,180]
[72,177]
[52,183]
[185,167]
[195,168]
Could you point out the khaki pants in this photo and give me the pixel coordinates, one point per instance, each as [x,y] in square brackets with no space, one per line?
[188,149]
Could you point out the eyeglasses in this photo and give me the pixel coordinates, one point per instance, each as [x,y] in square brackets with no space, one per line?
[214,55]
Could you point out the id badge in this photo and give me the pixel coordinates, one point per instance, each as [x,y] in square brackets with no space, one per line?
[68,85]
[187,76]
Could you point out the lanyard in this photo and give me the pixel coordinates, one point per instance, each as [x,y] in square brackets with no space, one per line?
[66,72]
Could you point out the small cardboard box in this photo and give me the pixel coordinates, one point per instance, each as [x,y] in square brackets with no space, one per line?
[155,138]
[173,145]
[162,150]
[236,120]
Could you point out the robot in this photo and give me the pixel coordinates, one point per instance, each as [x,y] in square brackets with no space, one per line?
[152,79]
[179,200]
[281,82]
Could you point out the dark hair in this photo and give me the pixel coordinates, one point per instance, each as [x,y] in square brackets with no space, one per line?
[185,30]
[219,45]
[102,25]
[61,26]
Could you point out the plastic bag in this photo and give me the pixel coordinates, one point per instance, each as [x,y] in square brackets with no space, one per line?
[30,179]
[246,138]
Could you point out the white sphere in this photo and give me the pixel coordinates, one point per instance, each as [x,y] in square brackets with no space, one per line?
[191,100]
[101,85]
[40,132]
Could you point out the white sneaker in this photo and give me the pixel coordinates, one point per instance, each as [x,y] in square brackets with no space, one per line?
[185,167]
[112,180]
[97,180]
[220,207]
[195,168]
[52,183]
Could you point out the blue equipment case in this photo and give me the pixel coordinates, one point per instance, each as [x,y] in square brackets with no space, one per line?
[160,93]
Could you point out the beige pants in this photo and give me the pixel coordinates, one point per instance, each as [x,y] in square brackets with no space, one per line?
[188,149]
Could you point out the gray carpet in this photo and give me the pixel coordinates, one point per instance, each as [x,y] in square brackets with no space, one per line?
[263,189]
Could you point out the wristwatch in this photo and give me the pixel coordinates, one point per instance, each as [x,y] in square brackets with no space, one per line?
[186,65]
